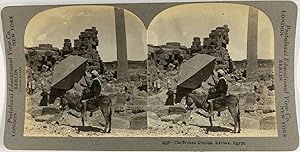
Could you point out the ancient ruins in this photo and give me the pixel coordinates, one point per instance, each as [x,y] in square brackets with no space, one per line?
[56,75]
[180,68]
[140,90]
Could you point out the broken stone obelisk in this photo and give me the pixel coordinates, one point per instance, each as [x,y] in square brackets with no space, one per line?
[121,44]
[252,43]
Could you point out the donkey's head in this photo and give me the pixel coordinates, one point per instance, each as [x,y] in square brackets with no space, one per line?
[181,92]
[200,100]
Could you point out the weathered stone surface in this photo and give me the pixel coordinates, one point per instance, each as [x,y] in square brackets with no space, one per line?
[137,108]
[36,111]
[253,113]
[69,120]
[269,100]
[250,105]
[120,123]
[51,110]
[177,109]
[57,101]
[75,113]
[171,67]
[138,101]
[259,111]
[135,91]
[160,67]
[68,71]
[123,113]
[142,94]
[120,107]
[143,76]
[37,97]
[162,111]
[251,97]
[249,123]
[195,70]
[198,120]
[121,98]
[173,72]
[152,115]
[266,108]
[98,120]
[134,77]
[129,111]
[161,75]
[268,123]
[138,121]
[174,118]
[47,118]
[109,88]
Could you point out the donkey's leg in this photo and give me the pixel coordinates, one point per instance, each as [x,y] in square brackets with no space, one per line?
[109,117]
[82,121]
[83,115]
[233,113]
[105,113]
[238,118]
[211,125]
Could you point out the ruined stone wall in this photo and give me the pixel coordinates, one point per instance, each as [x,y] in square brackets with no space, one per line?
[171,55]
[216,45]
[41,59]
[165,60]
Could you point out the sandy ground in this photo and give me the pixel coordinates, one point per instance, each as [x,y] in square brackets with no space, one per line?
[66,131]
[168,129]
[156,128]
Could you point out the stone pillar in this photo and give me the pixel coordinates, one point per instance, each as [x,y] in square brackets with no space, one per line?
[252,42]
[121,44]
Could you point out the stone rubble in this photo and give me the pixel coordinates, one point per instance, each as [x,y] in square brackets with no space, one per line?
[139,102]
[131,95]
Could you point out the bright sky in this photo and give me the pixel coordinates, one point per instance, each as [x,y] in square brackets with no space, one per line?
[182,23]
[54,25]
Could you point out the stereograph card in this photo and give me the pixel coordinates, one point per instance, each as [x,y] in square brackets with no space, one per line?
[181,76]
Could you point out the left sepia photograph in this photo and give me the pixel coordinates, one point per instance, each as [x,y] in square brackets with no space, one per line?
[86,73]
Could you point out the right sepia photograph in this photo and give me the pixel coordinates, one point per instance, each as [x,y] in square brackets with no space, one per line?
[211,72]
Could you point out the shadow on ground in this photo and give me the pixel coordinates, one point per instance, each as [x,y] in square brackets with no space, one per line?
[216,129]
[88,128]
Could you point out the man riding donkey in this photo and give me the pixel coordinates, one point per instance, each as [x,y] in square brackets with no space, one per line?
[218,100]
[218,92]
[92,100]
[92,92]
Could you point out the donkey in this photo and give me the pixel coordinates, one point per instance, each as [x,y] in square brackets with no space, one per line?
[229,102]
[101,102]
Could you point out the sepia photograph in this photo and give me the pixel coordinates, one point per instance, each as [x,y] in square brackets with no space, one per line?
[211,72]
[177,76]
[198,70]
[86,73]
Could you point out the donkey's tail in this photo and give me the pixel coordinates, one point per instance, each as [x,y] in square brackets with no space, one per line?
[110,110]
[238,110]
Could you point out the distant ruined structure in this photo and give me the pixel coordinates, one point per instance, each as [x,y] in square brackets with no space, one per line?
[166,60]
[171,55]
[43,58]
[42,62]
